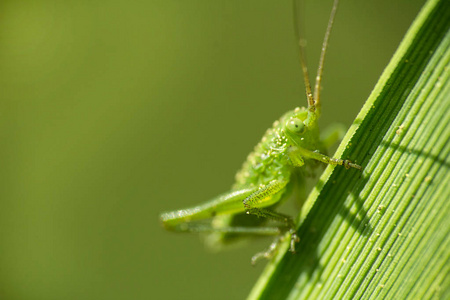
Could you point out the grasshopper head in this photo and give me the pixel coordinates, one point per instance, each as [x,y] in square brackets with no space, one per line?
[300,128]
[295,126]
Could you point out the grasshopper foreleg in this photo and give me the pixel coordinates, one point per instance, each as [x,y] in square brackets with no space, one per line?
[295,151]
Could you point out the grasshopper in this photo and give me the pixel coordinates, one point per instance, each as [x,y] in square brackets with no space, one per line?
[268,176]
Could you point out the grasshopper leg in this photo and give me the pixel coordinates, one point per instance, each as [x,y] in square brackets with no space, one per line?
[295,152]
[193,219]
[265,196]
[227,203]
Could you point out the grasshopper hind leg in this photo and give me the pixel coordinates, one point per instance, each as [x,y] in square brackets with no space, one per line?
[235,214]
[256,204]
[273,248]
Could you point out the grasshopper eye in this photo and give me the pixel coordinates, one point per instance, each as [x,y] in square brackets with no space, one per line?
[296,126]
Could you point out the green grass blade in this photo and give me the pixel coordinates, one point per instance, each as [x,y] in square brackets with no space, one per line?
[383,233]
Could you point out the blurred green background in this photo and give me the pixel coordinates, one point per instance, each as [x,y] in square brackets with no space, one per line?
[113,111]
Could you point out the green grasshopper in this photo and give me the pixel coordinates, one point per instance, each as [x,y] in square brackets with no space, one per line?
[268,176]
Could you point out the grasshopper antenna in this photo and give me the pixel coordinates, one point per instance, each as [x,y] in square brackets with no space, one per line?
[322,55]
[301,44]
[313,99]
